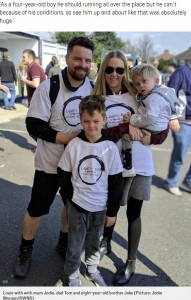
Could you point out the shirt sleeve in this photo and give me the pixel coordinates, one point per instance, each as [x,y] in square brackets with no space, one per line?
[115,189]
[66,188]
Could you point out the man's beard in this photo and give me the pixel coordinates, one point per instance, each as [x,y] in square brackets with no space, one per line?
[73,73]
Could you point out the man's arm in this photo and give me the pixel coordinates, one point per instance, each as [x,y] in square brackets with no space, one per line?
[34,83]
[38,128]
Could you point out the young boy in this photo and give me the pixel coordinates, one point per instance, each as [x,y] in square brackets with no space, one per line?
[90,176]
[157,105]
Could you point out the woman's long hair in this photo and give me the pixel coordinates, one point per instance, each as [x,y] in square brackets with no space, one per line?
[100,84]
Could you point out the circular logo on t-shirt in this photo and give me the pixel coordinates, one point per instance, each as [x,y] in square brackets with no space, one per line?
[115,113]
[90,169]
[70,111]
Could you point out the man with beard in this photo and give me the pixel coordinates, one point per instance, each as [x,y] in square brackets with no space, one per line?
[54,126]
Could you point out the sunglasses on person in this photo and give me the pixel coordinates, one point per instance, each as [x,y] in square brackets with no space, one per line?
[118,70]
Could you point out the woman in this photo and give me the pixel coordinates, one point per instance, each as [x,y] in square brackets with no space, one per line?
[22,71]
[113,82]
[55,69]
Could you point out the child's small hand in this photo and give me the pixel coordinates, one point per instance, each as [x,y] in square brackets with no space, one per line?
[127,117]
[109,221]
[174,125]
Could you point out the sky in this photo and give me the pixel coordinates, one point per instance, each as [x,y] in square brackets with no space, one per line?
[175,42]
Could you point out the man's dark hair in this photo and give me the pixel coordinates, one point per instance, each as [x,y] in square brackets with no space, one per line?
[80,41]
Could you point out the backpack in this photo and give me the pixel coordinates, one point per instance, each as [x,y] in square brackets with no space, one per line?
[54,88]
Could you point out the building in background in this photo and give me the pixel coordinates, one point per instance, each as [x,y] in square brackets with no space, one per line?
[42,43]
[183,57]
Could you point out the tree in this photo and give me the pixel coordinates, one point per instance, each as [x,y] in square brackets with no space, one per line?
[105,40]
[144,48]
[64,37]
[128,47]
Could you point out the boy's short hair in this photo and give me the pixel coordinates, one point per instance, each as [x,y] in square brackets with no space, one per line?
[145,70]
[91,103]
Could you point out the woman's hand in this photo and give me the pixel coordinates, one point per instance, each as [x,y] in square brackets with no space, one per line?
[135,133]
[174,125]
[146,139]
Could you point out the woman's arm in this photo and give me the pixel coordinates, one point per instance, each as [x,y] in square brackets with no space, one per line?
[116,133]
[154,139]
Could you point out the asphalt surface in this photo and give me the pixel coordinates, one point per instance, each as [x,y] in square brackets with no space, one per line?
[164,257]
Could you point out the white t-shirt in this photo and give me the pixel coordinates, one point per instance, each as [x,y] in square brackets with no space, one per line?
[117,106]
[91,164]
[63,116]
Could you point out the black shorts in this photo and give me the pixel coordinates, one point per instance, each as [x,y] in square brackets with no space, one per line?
[44,190]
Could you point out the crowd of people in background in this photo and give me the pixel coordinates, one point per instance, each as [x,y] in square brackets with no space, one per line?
[146,106]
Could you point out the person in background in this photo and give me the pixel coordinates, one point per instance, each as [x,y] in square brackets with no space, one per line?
[9,79]
[55,69]
[54,126]
[22,71]
[130,63]
[50,65]
[114,84]
[35,73]
[180,80]
[92,197]
[38,61]
[92,74]
[171,68]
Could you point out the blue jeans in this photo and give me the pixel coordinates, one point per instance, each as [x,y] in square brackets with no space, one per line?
[182,143]
[8,103]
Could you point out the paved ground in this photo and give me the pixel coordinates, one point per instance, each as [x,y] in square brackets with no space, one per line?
[164,258]
[8,115]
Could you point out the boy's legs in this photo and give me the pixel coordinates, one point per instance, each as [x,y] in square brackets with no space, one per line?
[84,229]
[61,246]
[95,224]
[128,170]
[76,239]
